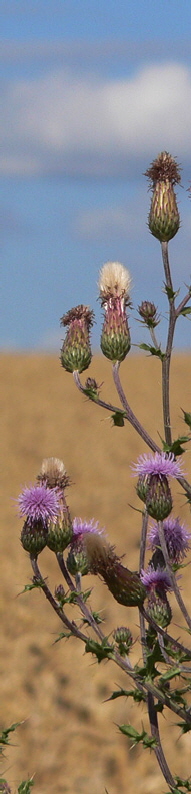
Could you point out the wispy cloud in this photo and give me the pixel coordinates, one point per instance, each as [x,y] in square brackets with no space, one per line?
[61,124]
[124,222]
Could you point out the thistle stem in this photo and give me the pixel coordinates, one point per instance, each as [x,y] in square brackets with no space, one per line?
[79,599]
[159,750]
[130,415]
[70,625]
[167,357]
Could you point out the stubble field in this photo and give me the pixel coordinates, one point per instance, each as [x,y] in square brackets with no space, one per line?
[69,739]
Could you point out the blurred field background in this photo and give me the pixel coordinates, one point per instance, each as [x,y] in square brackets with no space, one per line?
[69,739]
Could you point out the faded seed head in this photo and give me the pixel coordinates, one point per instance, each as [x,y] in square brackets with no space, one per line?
[114,280]
[53,473]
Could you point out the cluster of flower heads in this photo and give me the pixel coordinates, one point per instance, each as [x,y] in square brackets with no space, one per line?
[47,516]
[153,488]
[48,522]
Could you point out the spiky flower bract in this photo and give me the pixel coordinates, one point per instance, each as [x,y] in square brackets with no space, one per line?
[160,463]
[114,284]
[76,349]
[164,219]
[176,536]
[39,504]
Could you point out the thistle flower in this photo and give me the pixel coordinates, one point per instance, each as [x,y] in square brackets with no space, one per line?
[176,536]
[157,583]
[125,586]
[53,473]
[156,579]
[164,219]
[81,527]
[76,350]
[77,561]
[152,486]
[114,284]
[160,463]
[39,503]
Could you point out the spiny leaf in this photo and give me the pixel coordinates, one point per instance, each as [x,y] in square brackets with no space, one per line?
[134,693]
[185,311]
[185,727]
[35,583]
[176,447]
[63,635]
[187,417]
[118,419]
[101,650]
[154,351]
[4,736]
[25,786]
[147,741]
[170,292]
[169,675]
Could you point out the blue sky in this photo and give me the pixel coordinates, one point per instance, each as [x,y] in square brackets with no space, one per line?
[90,93]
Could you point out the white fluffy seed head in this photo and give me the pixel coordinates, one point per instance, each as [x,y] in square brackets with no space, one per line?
[52,467]
[114,279]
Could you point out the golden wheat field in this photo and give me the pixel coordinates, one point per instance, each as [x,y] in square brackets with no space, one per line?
[69,738]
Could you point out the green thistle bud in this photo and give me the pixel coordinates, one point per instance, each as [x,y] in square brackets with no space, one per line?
[158,498]
[76,350]
[164,219]
[148,312]
[123,639]
[34,537]
[159,609]
[60,594]
[77,561]
[114,288]
[60,533]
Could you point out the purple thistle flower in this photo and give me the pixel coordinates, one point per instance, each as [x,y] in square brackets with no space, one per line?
[160,463]
[81,527]
[39,503]
[176,536]
[157,579]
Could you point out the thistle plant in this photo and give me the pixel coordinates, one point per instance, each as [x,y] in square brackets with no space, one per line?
[161,680]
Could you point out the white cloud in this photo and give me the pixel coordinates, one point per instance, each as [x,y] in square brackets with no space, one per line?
[125,221]
[63,124]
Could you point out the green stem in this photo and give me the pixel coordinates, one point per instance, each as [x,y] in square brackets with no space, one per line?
[167,357]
